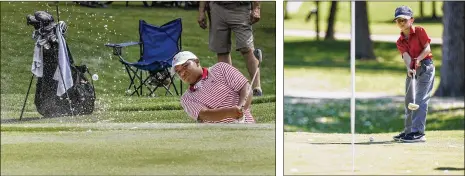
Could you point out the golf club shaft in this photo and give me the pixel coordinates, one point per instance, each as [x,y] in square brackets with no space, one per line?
[409,84]
[413,87]
[241,120]
[250,87]
[414,91]
[58,12]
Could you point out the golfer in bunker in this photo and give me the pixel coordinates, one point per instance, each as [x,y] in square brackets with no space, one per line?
[414,46]
[218,94]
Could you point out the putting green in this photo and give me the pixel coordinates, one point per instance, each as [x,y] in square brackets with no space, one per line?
[318,153]
[119,149]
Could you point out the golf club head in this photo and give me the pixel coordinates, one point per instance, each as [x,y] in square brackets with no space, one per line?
[258,54]
[241,120]
[412,106]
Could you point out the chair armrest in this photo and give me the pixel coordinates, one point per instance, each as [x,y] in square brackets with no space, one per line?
[117,46]
[122,44]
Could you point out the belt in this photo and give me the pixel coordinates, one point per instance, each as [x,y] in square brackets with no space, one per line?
[229,3]
[426,61]
[232,4]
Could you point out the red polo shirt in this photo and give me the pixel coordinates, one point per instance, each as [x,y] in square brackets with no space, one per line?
[417,39]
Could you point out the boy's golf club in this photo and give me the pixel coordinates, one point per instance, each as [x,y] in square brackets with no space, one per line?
[258,54]
[413,106]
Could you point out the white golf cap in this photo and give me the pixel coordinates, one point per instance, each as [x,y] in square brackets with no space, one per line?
[181,58]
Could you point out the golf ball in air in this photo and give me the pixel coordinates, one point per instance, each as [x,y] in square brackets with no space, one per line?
[371,139]
[95,77]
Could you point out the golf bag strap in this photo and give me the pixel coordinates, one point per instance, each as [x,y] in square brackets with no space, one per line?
[71,60]
[91,81]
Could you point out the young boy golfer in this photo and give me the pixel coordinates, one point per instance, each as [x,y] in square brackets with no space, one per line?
[413,45]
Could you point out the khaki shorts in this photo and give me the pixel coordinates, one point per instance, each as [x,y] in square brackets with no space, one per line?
[223,21]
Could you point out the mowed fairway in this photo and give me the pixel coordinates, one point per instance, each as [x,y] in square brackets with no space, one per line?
[127,135]
[331,153]
[137,148]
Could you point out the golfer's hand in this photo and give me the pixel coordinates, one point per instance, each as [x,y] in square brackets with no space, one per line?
[255,15]
[411,72]
[202,20]
[236,112]
[417,63]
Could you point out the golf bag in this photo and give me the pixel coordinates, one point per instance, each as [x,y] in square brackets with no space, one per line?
[81,95]
[80,98]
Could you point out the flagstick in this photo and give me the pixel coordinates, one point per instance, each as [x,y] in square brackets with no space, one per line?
[352,69]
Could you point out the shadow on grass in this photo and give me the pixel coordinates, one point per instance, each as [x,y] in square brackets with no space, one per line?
[356,143]
[449,168]
[425,20]
[270,31]
[430,20]
[447,110]
[381,115]
[313,53]
[146,5]
[28,119]
[336,54]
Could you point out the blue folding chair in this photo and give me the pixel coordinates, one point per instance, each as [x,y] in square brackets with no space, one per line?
[158,45]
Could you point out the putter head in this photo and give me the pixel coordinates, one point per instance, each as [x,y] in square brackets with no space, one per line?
[258,54]
[412,106]
[241,120]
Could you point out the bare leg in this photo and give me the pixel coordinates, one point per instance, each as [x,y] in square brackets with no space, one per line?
[224,57]
[252,66]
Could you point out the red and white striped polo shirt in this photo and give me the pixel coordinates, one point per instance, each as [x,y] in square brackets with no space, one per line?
[219,88]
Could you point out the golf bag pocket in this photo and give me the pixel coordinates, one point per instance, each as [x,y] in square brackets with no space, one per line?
[82,94]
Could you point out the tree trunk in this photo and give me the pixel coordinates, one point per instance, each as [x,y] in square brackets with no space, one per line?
[421,9]
[434,16]
[453,50]
[331,19]
[363,43]
[286,15]
[317,21]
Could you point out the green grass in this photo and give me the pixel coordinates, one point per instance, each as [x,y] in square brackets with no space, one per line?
[90,28]
[380,16]
[339,80]
[381,115]
[327,67]
[42,129]
[324,66]
[331,154]
[127,109]
[64,146]
[155,151]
